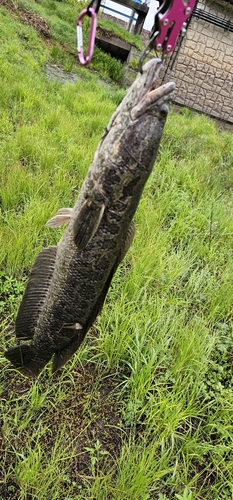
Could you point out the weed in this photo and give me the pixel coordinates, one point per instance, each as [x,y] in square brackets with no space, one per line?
[96,454]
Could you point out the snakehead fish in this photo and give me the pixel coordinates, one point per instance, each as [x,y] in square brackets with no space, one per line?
[68,283]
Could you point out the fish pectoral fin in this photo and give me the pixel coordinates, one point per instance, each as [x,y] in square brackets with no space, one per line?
[35,293]
[62,217]
[72,326]
[69,331]
[87,222]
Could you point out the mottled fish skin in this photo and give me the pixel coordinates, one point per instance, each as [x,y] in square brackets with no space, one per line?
[80,271]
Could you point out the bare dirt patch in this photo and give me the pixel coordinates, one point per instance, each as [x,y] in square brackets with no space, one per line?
[26,17]
[89,414]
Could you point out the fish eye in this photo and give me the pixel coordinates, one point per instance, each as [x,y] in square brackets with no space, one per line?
[164,110]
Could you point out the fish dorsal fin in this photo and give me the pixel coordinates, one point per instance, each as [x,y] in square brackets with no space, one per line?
[35,293]
[87,222]
[62,217]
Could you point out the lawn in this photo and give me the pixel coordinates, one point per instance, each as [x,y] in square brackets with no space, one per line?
[144,410]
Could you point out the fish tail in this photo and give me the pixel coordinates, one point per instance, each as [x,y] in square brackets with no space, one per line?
[24,359]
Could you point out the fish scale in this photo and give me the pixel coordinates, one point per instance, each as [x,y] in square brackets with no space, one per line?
[73,279]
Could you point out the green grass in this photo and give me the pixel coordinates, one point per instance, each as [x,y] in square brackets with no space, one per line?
[61,18]
[144,409]
[111,27]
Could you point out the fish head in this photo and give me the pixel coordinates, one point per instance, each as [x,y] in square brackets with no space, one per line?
[148,98]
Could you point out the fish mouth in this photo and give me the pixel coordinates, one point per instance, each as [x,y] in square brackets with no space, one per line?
[151,98]
[158,93]
[152,70]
